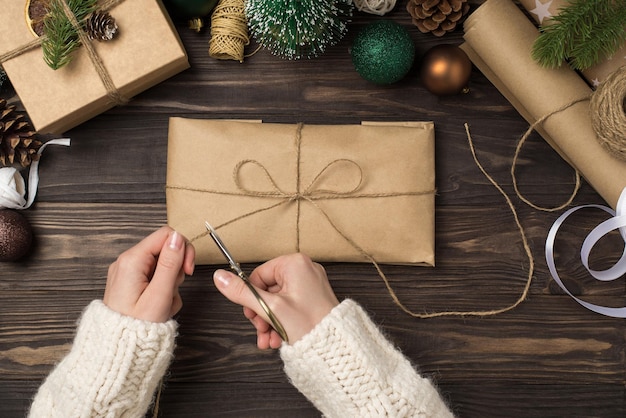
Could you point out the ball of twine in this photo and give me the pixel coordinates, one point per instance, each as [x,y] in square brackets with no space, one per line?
[229,31]
[608,113]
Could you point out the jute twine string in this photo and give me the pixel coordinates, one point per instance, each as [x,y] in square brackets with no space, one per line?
[607,109]
[608,113]
[311,194]
[376,7]
[229,31]
[531,260]
[104,75]
[518,149]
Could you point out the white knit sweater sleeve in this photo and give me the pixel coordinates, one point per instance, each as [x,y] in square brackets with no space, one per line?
[347,368]
[112,370]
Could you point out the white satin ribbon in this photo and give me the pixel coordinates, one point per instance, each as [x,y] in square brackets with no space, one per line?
[12,187]
[618,221]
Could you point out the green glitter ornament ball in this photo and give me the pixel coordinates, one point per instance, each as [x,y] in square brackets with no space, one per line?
[383,52]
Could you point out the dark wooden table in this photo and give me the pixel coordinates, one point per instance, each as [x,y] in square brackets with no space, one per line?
[547,357]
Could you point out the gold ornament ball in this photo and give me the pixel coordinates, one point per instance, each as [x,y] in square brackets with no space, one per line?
[16,235]
[445,70]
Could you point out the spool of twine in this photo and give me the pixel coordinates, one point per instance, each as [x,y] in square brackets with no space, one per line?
[229,31]
[608,113]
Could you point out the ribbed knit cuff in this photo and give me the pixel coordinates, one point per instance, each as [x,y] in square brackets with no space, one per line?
[113,368]
[346,367]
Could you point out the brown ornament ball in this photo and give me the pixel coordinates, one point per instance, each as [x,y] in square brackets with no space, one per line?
[16,235]
[445,70]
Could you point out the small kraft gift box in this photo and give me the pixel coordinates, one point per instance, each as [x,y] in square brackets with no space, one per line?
[145,51]
[338,193]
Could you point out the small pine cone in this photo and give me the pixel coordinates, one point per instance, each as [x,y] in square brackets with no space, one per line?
[437,16]
[17,142]
[101,26]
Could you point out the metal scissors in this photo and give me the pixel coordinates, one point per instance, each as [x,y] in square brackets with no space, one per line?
[234,266]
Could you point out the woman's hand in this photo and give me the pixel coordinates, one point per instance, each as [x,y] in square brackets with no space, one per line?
[295,288]
[143,282]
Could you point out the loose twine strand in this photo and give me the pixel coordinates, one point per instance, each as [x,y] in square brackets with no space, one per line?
[518,149]
[229,31]
[104,75]
[607,110]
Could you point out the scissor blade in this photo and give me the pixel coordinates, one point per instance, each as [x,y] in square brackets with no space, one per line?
[221,246]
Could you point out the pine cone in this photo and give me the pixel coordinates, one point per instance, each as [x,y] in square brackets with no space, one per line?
[437,16]
[101,26]
[17,142]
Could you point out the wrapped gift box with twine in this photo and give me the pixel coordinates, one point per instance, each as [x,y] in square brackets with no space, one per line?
[146,51]
[343,193]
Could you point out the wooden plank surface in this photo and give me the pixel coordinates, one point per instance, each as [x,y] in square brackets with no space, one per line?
[547,357]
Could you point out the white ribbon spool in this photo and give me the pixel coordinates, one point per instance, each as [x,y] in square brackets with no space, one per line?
[618,221]
[12,187]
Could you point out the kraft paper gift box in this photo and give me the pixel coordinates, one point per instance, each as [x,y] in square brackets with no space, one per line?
[146,51]
[342,193]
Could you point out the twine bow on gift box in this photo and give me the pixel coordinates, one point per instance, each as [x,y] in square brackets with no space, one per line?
[309,194]
[112,91]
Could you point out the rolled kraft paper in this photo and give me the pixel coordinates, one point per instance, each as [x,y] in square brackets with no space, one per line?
[499,39]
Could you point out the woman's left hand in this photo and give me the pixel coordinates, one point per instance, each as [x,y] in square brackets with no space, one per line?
[143,282]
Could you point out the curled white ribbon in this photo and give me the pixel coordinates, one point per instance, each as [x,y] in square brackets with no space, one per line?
[12,187]
[618,221]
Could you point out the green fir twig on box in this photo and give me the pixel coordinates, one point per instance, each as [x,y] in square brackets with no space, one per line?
[61,37]
[584,33]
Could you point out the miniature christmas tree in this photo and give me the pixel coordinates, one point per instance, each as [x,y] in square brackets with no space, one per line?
[297,29]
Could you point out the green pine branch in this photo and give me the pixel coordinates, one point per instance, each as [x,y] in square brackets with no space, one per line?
[583,33]
[61,37]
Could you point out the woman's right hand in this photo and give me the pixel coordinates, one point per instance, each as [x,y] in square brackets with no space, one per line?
[294,287]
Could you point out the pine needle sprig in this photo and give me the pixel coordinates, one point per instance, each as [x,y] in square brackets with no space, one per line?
[61,37]
[607,36]
[583,33]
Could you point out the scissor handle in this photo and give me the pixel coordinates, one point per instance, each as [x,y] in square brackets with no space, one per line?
[278,327]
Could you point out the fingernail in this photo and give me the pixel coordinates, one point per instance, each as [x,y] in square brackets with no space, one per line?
[222,277]
[176,241]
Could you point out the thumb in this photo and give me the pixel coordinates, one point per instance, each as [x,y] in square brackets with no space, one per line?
[237,291]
